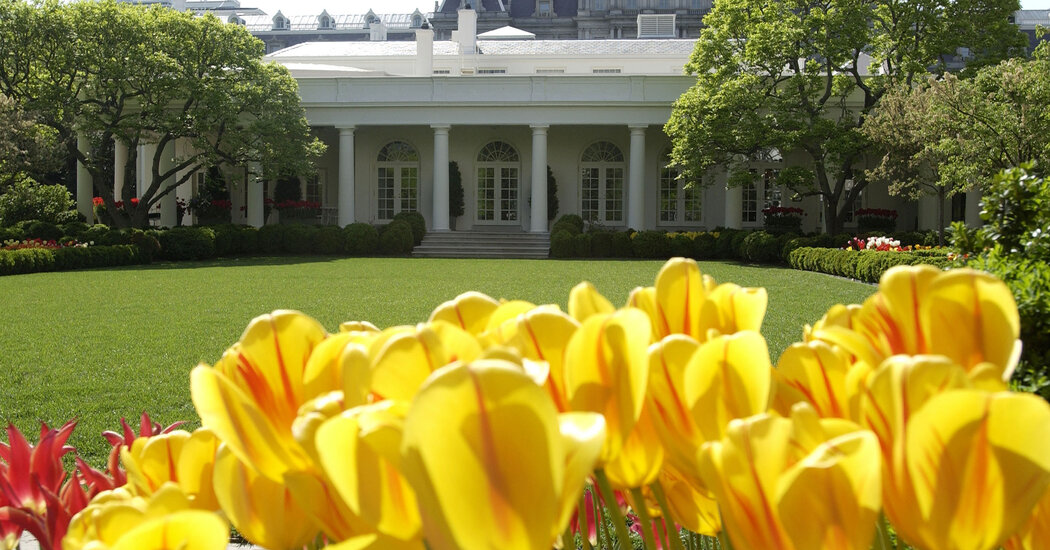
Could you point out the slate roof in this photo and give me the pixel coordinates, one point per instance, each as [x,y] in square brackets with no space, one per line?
[393,21]
[573,48]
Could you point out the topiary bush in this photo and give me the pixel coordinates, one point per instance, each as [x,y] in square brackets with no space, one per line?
[569,222]
[26,260]
[362,239]
[297,238]
[622,244]
[602,244]
[74,229]
[187,243]
[330,240]
[418,224]
[761,247]
[396,238]
[269,239]
[581,245]
[562,244]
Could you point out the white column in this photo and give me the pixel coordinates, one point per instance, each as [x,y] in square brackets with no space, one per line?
[168,216]
[636,182]
[256,202]
[85,187]
[973,208]
[440,215]
[346,176]
[120,163]
[734,207]
[539,178]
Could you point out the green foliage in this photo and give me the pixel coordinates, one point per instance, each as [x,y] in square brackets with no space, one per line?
[43,230]
[269,239]
[455,191]
[233,240]
[1016,212]
[876,224]
[582,245]
[116,70]
[761,84]
[864,265]
[396,238]
[569,222]
[622,245]
[74,229]
[33,260]
[187,243]
[416,221]
[297,238]
[26,260]
[330,240]
[362,239]
[761,247]
[27,148]
[28,200]
[651,244]
[287,189]
[562,244]
[601,244]
[552,195]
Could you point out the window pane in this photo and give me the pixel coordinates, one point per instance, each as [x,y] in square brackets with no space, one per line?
[409,189]
[385,208]
[509,194]
[589,194]
[614,194]
[486,194]
[750,203]
[668,195]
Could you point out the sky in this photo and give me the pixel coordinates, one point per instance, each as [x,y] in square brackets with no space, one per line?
[293,7]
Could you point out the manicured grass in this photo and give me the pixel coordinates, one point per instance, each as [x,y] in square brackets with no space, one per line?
[99,345]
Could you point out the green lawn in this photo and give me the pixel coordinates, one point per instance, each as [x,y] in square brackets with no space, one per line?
[98,345]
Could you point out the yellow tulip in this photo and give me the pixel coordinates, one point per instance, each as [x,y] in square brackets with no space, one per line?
[177,457]
[774,495]
[672,418]
[729,308]
[727,377]
[324,370]
[639,461]
[487,454]
[252,396]
[585,301]
[979,462]
[816,373]
[690,507]
[1035,533]
[469,311]
[607,372]
[965,315]
[376,541]
[262,510]
[542,335]
[401,358]
[503,322]
[164,521]
[360,453]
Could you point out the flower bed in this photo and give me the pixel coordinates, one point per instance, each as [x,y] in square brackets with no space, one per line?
[504,424]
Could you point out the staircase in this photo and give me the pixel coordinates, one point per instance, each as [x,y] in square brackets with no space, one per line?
[479,244]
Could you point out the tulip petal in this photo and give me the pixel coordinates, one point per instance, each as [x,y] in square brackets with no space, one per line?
[728,377]
[186,530]
[672,417]
[680,295]
[815,373]
[469,311]
[542,335]
[195,469]
[585,301]
[639,461]
[729,309]
[583,435]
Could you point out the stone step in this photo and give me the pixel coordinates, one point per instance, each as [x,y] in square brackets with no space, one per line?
[480,244]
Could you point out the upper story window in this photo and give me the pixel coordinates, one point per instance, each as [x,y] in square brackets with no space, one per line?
[599,4]
[280,22]
[544,8]
[235,20]
[606,70]
[325,22]
[492,71]
[371,19]
[664,4]
[417,21]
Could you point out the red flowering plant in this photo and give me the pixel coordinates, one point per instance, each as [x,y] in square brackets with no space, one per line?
[51,244]
[783,219]
[38,495]
[298,209]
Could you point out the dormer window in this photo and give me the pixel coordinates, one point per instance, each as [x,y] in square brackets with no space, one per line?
[370,19]
[543,8]
[280,22]
[325,21]
[235,20]
[417,21]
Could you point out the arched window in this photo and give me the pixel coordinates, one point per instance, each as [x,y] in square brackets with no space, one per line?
[397,180]
[370,19]
[235,20]
[601,183]
[498,169]
[417,21]
[680,200]
[324,21]
[280,22]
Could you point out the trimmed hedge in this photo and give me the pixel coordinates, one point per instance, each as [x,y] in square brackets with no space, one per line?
[361,239]
[396,238]
[418,224]
[863,265]
[33,260]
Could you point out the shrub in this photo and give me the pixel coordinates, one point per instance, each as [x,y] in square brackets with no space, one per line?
[361,239]
[582,245]
[26,260]
[562,245]
[147,244]
[187,243]
[29,200]
[268,239]
[569,222]
[876,220]
[704,246]
[13,233]
[297,238]
[99,256]
[44,230]
[74,229]
[681,245]
[761,247]
[724,242]
[395,238]
[329,239]
[602,244]
[416,222]
[622,244]
[651,244]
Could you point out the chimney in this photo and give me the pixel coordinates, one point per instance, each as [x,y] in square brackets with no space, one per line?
[467,31]
[377,31]
[424,51]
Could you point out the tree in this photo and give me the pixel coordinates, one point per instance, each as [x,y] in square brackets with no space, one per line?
[796,75]
[455,192]
[552,195]
[152,76]
[919,145]
[27,149]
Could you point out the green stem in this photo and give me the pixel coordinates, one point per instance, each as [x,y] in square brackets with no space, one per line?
[882,540]
[723,535]
[643,518]
[568,541]
[581,522]
[673,536]
[599,522]
[614,510]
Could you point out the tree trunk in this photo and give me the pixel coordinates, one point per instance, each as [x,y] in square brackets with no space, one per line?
[940,215]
